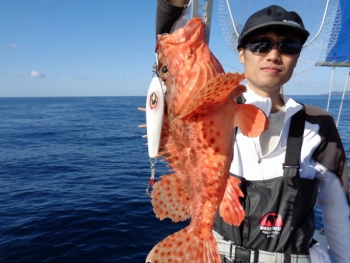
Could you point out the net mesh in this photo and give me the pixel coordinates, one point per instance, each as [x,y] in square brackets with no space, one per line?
[321,18]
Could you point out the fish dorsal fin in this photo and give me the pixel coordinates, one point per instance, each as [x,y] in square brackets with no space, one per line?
[215,93]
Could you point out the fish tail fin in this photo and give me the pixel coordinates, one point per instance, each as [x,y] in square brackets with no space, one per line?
[185,247]
[251,120]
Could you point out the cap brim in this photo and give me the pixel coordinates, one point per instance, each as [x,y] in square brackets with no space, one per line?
[304,34]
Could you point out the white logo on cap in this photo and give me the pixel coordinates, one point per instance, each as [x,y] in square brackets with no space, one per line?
[289,21]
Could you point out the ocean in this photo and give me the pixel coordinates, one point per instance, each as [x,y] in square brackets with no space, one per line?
[73,174]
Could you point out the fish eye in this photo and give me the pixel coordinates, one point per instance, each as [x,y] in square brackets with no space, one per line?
[164,69]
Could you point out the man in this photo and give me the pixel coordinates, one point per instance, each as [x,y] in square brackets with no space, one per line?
[299,158]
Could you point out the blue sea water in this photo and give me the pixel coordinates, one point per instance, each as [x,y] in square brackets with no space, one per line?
[73,174]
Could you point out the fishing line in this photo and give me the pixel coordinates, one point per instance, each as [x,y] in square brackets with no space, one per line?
[229,66]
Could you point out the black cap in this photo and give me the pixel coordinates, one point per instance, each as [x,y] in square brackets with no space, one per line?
[273,17]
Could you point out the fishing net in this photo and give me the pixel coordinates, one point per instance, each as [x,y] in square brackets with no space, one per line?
[321,18]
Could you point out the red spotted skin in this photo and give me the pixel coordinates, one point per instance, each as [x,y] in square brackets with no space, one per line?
[197,142]
[205,159]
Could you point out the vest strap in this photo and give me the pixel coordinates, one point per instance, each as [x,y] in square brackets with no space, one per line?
[295,140]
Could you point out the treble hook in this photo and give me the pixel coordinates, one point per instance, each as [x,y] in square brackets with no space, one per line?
[151,182]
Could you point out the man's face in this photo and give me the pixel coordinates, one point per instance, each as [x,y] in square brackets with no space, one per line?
[267,72]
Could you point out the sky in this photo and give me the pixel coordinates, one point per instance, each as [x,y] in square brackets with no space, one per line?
[101,48]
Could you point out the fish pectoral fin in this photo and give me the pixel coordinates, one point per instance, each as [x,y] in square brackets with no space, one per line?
[250,120]
[214,93]
[231,209]
[186,247]
[170,198]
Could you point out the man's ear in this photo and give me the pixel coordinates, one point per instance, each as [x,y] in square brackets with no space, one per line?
[241,55]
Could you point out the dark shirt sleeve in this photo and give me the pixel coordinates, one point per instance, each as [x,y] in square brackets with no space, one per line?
[330,153]
[166,16]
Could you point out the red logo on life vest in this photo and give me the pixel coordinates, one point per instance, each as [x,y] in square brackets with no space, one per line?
[271,224]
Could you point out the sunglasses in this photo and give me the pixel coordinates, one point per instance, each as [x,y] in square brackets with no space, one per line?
[264,46]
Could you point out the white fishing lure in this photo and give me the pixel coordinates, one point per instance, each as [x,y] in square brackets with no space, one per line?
[154,115]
